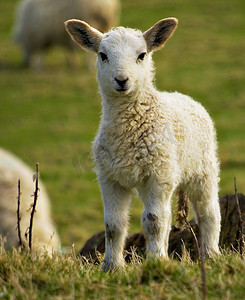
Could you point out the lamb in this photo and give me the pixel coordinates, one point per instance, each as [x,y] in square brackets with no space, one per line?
[39,23]
[156,142]
[45,237]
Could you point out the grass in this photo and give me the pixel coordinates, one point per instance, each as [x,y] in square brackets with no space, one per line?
[66,277]
[51,117]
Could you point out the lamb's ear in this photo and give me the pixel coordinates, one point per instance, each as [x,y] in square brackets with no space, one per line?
[158,34]
[86,36]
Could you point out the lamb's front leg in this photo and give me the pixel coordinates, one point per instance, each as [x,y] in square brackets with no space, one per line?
[156,218]
[116,204]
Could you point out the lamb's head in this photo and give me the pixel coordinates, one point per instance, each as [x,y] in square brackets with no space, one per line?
[124,55]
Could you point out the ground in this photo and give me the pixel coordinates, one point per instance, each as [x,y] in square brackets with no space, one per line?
[51,115]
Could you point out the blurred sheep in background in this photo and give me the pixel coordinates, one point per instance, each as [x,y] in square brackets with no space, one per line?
[40,23]
[44,235]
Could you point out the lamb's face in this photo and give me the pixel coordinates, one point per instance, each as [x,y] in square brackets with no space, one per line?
[123,63]
[124,55]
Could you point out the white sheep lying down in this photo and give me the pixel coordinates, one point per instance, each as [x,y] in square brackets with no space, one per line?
[40,23]
[44,233]
[156,142]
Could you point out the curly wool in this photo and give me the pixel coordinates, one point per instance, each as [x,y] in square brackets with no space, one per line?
[156,142]
[145,138]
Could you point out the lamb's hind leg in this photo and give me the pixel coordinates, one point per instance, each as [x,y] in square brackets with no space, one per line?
[116,204]
[156,218]
[207,209]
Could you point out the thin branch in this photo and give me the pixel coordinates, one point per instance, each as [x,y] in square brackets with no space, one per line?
[240,227]
[35,177]
[18,215]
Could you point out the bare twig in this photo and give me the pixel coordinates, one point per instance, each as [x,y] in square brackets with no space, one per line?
[240,228]
[18,215]
[35,177]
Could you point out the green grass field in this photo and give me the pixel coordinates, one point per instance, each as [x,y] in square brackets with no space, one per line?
[51,116]
[64,277]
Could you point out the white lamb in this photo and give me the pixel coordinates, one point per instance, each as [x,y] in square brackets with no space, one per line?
[157,142]
[44,233]
[40,23]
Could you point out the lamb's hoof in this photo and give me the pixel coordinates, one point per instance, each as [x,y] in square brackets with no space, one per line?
[211,252]
[108,266]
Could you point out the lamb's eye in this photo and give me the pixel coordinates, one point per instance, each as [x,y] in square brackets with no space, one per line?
[142,56]
[103,56]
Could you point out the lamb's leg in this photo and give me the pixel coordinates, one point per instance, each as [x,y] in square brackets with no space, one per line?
[207,209]
[116,204]
[156,218]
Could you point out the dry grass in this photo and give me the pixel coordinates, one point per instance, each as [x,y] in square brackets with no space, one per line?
[51,116]
[30,276]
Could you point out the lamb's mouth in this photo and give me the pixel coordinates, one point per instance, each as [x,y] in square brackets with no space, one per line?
[121,90]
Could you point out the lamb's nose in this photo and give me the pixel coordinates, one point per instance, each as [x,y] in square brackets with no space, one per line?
[120,82]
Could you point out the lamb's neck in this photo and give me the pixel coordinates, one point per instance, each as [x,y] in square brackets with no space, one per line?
[129,108]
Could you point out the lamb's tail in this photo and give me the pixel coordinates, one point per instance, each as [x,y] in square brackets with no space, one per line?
[182,210]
